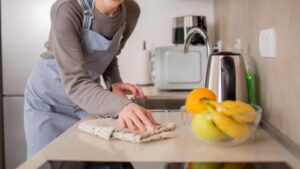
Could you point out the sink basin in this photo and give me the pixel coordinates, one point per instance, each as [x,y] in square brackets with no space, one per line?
[161,103]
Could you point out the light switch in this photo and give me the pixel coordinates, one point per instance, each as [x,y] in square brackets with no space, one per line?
[267,43]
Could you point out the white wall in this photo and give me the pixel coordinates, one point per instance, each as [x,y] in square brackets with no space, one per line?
[155,26]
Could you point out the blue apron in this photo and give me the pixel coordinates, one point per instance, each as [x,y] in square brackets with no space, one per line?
[48,111]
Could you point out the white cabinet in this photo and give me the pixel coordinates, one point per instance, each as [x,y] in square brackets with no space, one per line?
[25,29]
[14,141]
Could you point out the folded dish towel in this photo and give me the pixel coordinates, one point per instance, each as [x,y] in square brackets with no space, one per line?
[109,129]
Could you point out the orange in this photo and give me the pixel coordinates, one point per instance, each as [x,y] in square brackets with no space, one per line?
[193,102]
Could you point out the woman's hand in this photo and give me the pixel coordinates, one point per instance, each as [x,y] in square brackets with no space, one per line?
[135,117]
[123,89]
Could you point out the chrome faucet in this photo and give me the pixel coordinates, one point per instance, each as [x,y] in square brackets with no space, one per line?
[189,37]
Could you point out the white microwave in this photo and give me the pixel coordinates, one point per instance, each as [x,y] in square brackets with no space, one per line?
[174,70]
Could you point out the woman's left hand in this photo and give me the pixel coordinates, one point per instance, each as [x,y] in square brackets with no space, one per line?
[124,89]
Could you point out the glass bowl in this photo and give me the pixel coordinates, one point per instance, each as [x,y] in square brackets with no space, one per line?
[231,132]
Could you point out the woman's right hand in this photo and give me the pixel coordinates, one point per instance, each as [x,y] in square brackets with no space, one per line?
[136,118]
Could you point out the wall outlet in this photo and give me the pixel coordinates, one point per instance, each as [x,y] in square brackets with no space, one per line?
[267,43]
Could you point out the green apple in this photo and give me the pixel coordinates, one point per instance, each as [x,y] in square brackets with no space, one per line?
[204,127]
[206,165]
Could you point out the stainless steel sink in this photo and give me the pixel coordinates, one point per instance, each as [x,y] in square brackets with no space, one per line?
[161,103]
[171,107]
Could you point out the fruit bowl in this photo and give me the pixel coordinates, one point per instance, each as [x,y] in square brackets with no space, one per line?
[219,126]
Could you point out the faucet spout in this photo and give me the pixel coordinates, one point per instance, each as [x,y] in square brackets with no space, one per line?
[189,37]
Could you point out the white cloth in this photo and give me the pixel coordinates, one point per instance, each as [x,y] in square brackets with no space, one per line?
[109,129]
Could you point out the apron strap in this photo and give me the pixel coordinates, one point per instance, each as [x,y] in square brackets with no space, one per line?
[88,7]
[124,11]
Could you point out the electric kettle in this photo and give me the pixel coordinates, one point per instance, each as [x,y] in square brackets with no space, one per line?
[226,76]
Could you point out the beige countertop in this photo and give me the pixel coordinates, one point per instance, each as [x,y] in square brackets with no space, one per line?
[75,145]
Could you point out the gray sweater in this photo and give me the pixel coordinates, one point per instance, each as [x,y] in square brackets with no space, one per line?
[64,46]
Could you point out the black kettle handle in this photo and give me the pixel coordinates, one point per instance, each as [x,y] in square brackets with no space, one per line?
[228,79]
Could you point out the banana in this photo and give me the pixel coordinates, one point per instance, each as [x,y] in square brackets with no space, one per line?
[232,108]
[229,126]
[215,104]
[239,111]
[245,118]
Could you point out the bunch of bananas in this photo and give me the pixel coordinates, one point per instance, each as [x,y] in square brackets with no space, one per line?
[232,117]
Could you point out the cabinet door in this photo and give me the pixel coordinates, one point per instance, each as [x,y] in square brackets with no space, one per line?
[25,29]
[14,136]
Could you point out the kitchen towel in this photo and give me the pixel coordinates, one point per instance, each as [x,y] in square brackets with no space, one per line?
[109,129]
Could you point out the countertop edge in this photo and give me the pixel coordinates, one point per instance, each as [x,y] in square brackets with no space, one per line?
[292,147]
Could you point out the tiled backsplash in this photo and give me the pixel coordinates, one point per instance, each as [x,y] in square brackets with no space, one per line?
[278,79]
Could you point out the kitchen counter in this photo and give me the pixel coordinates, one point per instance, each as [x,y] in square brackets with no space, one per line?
[75,145]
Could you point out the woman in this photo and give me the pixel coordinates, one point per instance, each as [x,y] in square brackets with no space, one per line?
[85,37]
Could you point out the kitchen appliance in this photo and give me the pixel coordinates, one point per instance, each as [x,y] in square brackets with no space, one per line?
[25,28]
[226,76]
[182,25]
[174,70]
[162,165]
